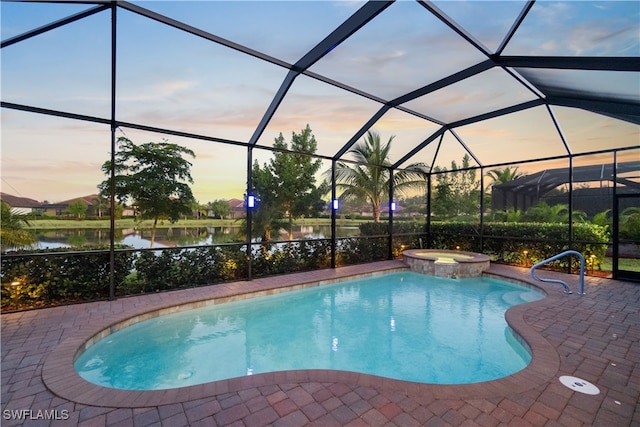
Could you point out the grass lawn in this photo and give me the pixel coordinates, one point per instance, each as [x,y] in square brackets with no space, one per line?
[626,264]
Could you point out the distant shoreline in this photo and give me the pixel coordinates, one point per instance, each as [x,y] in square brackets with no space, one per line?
[35,224]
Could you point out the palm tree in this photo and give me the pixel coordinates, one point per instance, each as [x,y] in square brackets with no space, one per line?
[12,233]
[101,206]
[559,213]
[603,219]
[507,215]
[501,176]
[368,178]
[630,223]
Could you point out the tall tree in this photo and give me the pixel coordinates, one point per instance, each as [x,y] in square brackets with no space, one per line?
[267,216]
[153,177]
[457,190]
[368,179]
[286,186]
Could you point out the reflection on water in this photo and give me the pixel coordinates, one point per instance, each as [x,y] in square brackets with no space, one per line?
[171,237]
[442,331]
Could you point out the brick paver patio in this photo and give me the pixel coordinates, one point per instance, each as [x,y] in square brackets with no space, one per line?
[595,337]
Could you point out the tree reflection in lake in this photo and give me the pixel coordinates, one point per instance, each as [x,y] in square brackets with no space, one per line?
[171,237]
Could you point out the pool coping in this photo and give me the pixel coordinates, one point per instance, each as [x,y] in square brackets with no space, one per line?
[61,378]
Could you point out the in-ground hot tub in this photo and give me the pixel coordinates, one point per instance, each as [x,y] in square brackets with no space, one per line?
[446,263]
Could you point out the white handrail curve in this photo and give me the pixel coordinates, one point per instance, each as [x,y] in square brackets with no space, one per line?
[567,290]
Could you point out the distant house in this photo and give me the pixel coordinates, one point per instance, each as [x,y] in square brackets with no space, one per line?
[20,205]
[238,207]
[61,208]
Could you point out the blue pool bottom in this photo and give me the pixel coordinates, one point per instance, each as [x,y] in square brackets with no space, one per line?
[405,326]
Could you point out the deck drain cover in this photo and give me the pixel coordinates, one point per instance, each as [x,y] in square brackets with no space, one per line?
[579,385]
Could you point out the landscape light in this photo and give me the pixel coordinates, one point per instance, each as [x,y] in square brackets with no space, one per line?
[336,204]
[393,206]
[251,201]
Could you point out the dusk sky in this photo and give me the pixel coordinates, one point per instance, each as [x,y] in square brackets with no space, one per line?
[170,79]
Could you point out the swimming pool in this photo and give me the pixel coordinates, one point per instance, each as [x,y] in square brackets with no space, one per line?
[405,326]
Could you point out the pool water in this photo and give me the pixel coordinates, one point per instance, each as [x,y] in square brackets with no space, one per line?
[405,325]
[447,255]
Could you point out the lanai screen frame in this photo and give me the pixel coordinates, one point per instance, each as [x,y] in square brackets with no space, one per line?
[544,96]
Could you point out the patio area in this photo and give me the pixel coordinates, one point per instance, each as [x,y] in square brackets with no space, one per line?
[595,337]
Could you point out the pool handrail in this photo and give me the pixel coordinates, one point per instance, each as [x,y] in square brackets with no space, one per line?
[567,290]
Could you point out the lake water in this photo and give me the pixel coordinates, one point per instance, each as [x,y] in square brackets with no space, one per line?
[172,237]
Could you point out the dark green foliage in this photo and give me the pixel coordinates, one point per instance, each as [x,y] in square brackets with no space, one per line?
[219,208]
[285,187]
[507,241]
[504,242]
[373,228]
[272,259]
[70,277]
[456,193]
[358,250]
[154,177]
[373,243]
[51,279]
[184,268]
[630,223]
[368,180]
[55,279]
[13,232]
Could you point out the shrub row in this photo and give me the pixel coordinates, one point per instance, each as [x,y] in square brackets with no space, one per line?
[43,278]
[524,243]
[176,268]
[49,277]
[508,242]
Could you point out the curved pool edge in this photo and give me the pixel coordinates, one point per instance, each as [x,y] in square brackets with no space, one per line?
[61,378]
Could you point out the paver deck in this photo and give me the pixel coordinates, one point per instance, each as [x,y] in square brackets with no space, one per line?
[595,337]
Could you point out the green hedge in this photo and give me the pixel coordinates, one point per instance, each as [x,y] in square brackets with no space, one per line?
[61,277]
[183,268]
[503,241]
[542,241]
[358,250]
[51,279]
[281,258]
